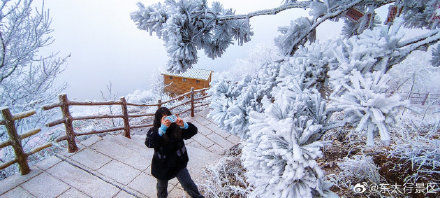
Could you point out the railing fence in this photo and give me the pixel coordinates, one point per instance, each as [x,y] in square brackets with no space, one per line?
[65,104]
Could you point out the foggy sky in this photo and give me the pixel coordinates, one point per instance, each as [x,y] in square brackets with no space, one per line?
[106,46]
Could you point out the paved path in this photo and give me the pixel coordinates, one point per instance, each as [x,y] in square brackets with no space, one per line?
[115,166]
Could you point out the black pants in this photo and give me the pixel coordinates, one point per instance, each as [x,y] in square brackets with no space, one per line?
[185,181]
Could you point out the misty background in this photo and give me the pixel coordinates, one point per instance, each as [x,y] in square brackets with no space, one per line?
[105,45]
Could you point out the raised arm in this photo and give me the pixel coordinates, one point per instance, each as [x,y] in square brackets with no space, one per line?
[190,131]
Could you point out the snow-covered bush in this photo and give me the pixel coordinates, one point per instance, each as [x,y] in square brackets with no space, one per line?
[308,68]
[231,102]
[421,154]
[417,147]
[142,97]
[280,154]
[418,123]
[367,106]
[226,178]
[358,169]
[374,50]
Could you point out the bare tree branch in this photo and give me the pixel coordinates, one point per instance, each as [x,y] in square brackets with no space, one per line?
[3,53]
[26,76]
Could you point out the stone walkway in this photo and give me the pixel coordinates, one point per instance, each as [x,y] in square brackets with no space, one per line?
[115,166]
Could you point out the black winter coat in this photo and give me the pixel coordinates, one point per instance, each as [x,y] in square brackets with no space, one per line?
[170,155]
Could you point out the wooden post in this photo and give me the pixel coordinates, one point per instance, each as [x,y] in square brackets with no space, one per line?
[159,104]
[14,138]
[125,114]
[68,124]
[426,98]
[192,101]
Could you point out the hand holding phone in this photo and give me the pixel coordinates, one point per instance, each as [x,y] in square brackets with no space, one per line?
[171,118]
[180,122]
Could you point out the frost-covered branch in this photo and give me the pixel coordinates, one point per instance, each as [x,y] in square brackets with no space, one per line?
[417,39]
[305,29]
[188,26]
[408,46]
[27,76]
[233,101]
[22,37]
[368,107]
[296,4]
[185,27]
[300,40]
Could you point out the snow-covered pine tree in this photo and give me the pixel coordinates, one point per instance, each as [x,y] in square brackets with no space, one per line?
[232,101]
[187,26]
[308,67]
[280,153]
[271,123]
[367,105]
[224,94]
[419,13]
[359,83]
[374,50]
[288,42]
[284,139]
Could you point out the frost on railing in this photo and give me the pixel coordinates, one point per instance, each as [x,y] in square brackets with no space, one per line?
[15,140]
[21,157]
[422,98]
[68,119]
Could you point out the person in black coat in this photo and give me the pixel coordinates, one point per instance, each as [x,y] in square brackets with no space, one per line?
[170,156]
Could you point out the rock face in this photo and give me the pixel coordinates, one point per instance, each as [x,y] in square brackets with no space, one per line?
[115,166]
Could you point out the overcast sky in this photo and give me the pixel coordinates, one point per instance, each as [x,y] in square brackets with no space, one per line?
[105,44]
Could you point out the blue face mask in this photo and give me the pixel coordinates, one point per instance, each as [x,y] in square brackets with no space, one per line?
[171,118]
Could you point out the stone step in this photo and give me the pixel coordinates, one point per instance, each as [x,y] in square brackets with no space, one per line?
[198,159]
[134,143]
[114,160]
[125,150]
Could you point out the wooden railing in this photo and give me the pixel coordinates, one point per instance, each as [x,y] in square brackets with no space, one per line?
[422,98]
[15,140]
[67,119]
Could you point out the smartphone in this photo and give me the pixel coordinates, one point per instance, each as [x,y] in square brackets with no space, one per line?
[171,118]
